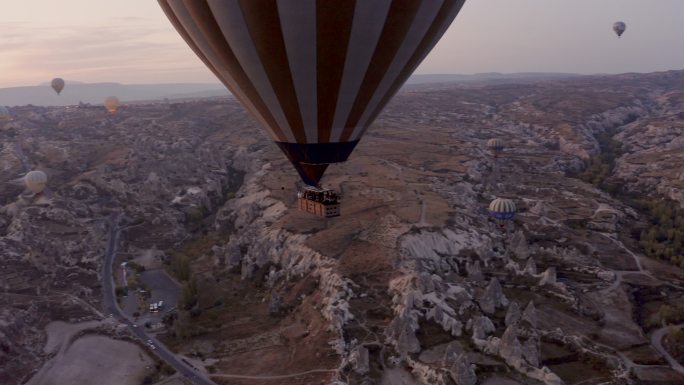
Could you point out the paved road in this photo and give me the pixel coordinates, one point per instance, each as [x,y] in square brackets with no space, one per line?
[112,307]
[276,377]
[657,342]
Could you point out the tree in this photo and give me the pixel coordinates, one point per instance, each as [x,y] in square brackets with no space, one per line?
[188,297]
[180,267]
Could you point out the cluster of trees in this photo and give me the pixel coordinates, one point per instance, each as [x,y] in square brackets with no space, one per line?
[188,298]
[664,237]
[162,370]
[598,168]
[180,267]
[667,315]
[195,215]
[121,291]
[675,341]
[188,302]
[135,267]
[553,145]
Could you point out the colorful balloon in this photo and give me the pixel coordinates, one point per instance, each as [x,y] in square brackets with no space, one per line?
[619,27]
[112,104]
[495,146]
[5,114]
[503,210]
[35,181]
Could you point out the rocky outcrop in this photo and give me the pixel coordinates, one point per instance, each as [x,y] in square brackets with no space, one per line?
[531,351]
[513,314]
[530,315]
[403,332]
[482,326]
[474,271]
[519,245]
[493,297]
[530,267]
[510,348]
[548,277]
[359,360]
[462,372]
[425,296]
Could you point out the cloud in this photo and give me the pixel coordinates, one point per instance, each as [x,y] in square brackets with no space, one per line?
[126,49]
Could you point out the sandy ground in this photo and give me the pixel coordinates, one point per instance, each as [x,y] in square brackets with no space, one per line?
[60,334]
[397,376]
[172,381]
[499,381]
[109,361]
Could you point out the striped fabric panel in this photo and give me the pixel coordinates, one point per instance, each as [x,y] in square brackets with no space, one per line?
[502,206]
[431,21]
[312,71]
[219,58]
[495,143]
[446,15]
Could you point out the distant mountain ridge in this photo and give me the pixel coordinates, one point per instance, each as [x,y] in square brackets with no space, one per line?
[95,93]
[488,76]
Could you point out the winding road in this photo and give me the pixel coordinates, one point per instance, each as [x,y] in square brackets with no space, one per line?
[111,306]
[657,342]
[656,336]
[275,377]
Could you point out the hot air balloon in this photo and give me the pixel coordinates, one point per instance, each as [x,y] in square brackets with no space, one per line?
[503,210]
[35,181]
[619,27]
[112,104]
[57,85]
[315,74]
[4,114]
[495,146]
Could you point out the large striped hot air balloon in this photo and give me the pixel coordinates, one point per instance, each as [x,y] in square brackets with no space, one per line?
[315,73]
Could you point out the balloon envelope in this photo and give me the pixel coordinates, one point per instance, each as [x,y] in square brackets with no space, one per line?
[315,74]
[619,27]
[495,145]
[35,181]
[502,209]
[4,114]
[111,104]
[57,85]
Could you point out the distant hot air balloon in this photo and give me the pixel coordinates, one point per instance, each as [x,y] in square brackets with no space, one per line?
[619,27]
[57,85]
[315,74]
[495,146]
[502,210]
[4,114]
[35,181]
[112,104]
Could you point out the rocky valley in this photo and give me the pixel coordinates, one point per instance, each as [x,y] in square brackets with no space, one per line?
[412,284]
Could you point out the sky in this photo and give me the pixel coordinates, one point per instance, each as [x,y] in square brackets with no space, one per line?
[131,41]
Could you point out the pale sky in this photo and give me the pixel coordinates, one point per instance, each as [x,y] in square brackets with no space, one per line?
[131,41]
